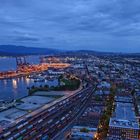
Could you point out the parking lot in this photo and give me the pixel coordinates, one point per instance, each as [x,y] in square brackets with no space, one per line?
[33,102]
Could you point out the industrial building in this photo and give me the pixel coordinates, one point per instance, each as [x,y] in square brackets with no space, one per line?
[123,123]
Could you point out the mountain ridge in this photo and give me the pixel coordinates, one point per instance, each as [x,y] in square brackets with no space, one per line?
[14,50]
[17,50]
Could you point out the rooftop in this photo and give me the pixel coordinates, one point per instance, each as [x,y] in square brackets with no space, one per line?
[124,116]
[123,99]
[77,133]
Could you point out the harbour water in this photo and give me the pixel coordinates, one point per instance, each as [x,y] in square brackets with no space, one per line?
[17,88]
[9,63]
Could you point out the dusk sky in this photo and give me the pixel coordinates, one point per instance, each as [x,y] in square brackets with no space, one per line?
[103,25]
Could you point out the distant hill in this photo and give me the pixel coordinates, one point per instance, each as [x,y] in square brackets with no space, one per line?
[13,50]
[107,53]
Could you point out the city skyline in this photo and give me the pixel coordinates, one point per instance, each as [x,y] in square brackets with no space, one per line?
[110,26]
[69,70]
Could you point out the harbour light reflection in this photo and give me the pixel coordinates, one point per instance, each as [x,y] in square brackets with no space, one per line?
[14,83]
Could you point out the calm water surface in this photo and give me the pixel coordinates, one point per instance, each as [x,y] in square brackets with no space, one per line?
[17,88]
[9,63]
